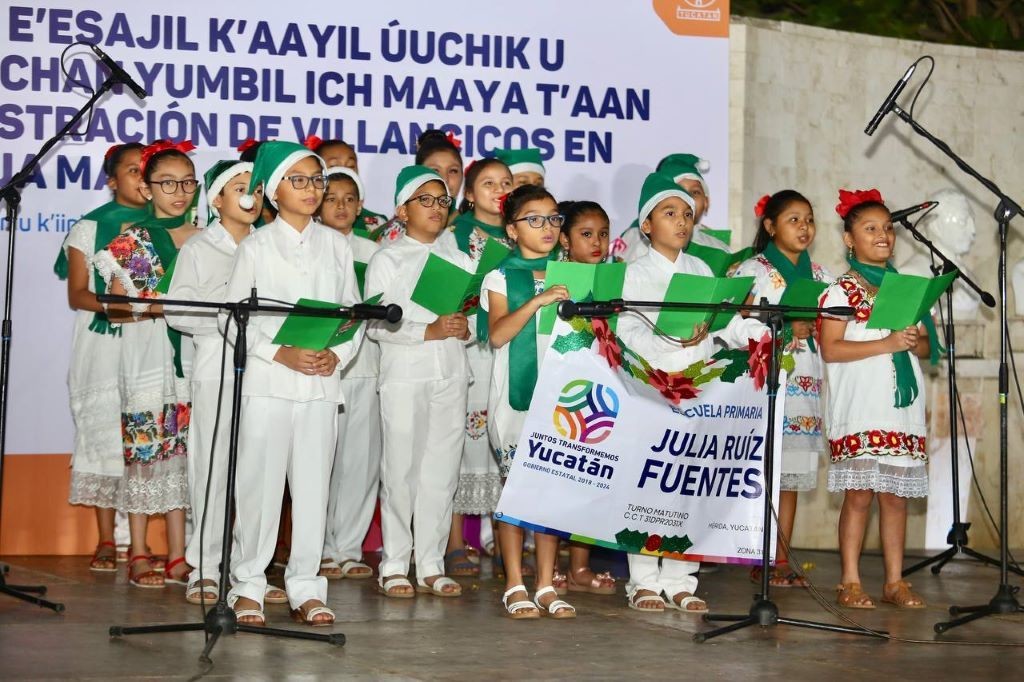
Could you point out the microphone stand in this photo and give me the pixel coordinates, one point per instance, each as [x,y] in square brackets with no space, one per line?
[221,619]
[957,537]
[10,194]
[763,611]
[1005,600]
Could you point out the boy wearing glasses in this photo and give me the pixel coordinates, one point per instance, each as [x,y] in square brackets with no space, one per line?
[423,383]
[290,395]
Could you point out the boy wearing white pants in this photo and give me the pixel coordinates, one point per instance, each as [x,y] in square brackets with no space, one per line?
[424,383]
[290,395]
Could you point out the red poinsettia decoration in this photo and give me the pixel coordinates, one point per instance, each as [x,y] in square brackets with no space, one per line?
[607,343]
[760,355]
[185,146]
[847,200]
[653,543]
[761,203]
[246,145]
[674,387]
[312,142]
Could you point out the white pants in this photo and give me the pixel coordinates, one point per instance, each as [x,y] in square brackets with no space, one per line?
[200,446]
[670,577]
[355,478]
[424,426]
[281,439]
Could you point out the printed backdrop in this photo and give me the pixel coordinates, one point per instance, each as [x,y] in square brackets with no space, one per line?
[604,88]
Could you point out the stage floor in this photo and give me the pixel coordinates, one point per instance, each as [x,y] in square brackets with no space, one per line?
[440,639]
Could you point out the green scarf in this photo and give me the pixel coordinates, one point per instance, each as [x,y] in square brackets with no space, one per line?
[906,383]
[790,272]
[464,225]
[108,218]
[522,360]
[167,252]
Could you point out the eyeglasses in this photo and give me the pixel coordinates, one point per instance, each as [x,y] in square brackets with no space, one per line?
[428,200]
[188,186]
[302,181]
[537,221]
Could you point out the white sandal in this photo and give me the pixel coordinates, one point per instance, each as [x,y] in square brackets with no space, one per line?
[267,599]
[634,602]
[519,610]
[350,565]
[198,594]
[685,602]
[437,589]
[557,608]
[385,587]
[250,613]
[306,617]
[330,569]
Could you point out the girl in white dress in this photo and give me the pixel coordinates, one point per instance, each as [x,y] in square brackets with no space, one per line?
[512,296]
[785,232]
[875,418]
[97,462]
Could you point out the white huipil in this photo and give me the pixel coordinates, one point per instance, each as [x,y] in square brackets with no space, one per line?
[647,279]
[355,477]
[289,420]
[423,391]
[802,439]
[632,245]
[201,273]
[97,463]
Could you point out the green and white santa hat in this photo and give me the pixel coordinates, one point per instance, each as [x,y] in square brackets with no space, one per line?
[217,177]
[273,159]
[658,187]
[686,167]
[521,160]
[345,170]
[410,179]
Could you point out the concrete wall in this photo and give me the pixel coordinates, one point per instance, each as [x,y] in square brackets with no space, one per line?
[800,99]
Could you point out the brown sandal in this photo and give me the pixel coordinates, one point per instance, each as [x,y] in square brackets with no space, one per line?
[851,596]
[900,594]
[104,559]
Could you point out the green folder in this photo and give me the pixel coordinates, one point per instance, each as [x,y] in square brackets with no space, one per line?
[444,288]
[719,261]
[720,235]
[318,333]
[598,282]
[360,269]
[805,293]
[904,300]
[684,288]
[164,285]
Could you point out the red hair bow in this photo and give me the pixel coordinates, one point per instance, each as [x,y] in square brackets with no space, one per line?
[185,146]
[247,145]
[110,152]
[761,203]
[847,200]
[312,142]
[450,136]
[501,202]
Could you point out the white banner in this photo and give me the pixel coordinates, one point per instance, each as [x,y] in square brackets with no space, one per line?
[604,88]
[617,454]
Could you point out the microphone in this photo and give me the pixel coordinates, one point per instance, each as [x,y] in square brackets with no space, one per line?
[903,213]
[889,101]
[570,309]
[391,313]
[117,73]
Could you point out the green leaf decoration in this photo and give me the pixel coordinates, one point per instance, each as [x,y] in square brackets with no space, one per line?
[580,324]
[573,342]
[631,540]
[734,363]
[694,370]
[709,376]
[788,362]
[673,544]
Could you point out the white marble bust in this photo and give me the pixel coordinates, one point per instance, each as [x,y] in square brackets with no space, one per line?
[950,226]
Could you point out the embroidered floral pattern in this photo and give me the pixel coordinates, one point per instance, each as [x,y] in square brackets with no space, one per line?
[857,297]
[134,252]
[879,442]
[150,437]
[803,387]
[476,424]
[801,426]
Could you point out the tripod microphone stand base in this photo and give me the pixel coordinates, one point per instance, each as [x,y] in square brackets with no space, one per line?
[1004,603]
[26,592]
[957,540]
[765,613]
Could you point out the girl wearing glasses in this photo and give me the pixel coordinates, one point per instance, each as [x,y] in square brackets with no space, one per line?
[424,381]
[155,398]
[479,221]
[512,297]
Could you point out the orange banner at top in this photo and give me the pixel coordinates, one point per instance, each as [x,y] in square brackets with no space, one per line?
[695,17]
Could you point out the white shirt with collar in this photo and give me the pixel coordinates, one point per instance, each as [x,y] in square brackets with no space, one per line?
[647,279]
[286,264]
[405,356]
[201,273]
[367,361]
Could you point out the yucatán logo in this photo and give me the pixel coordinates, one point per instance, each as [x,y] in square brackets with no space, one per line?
[586,411]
